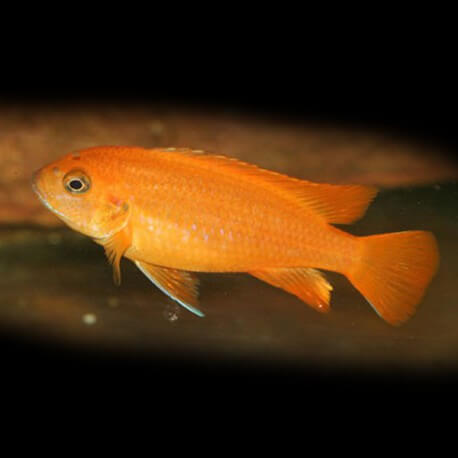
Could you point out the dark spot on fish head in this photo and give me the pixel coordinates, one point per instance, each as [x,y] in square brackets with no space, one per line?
[76,156]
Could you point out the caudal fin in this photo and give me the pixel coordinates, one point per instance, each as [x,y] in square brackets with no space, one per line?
[394,271]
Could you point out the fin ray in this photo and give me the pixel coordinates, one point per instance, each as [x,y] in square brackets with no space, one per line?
[340,204]
[307,284]
[394,272]
[180,285]
[115,246]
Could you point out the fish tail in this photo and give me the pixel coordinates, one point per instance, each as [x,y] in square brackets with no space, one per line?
[394,270]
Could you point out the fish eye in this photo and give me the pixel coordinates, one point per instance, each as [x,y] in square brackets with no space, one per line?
[77,182]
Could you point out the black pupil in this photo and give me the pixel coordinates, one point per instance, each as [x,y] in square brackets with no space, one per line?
[76,185]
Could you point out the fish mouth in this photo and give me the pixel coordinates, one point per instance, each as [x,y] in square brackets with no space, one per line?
[42,196]
[35,187]
[39,193]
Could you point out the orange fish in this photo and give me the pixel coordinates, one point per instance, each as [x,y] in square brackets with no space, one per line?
[177,211]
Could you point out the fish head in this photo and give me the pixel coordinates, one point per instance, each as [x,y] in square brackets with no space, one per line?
[77,189]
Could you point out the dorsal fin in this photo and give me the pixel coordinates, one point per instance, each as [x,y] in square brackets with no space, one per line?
[341,204]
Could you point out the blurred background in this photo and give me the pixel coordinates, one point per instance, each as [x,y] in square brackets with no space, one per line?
[58,305]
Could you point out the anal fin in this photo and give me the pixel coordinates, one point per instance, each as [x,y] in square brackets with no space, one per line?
[306,283]
[180,285]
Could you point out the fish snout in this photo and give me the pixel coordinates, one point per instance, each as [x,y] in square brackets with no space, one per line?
[37,185]
[35,179]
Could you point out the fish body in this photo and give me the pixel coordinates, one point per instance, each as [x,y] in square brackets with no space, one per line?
[222,222]
[176,212]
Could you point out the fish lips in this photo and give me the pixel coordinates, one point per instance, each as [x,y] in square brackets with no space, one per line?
[38,191]
[35,179]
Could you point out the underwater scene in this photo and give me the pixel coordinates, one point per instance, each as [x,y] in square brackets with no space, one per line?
[57,289]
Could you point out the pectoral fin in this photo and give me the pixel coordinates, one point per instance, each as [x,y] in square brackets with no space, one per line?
[115,247]
[180,285]
[113,219]
[307,284]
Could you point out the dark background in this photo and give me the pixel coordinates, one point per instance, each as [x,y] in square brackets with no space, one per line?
[401,81]
[423,105]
